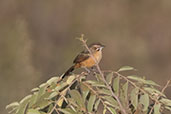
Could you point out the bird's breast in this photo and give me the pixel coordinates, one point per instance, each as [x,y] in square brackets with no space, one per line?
[90,61]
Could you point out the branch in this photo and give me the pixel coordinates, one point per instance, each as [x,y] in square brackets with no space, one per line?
[164,88]
[102,75]
[66,89]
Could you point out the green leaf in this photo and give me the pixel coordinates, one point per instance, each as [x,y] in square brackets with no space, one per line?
[144,100]
[67,111]
[23,104]
[96,83]
[139,79]
[111,101]
[43,85]
[61,86]
[157,108]
[104,91]
[42,90]
[53,79]
[50,108]
[91,103]
[109,78]
[42,112]
[134,97]
[26,99]
[33,99]
[112,110]
[84,91]
[153,91]
[33,111]
[96,104]
[116,85]
[104,110]
[42,102]
[125,90]
[35,89]
[77,97]
[166,101]
[150,82]
[125,68]
[53,94]
[12,105]
[70,79]
[168,108]
[60,101]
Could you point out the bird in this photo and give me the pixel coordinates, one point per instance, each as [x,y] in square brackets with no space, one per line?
[84,58]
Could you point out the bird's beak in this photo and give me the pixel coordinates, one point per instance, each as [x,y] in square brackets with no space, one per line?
[103,46]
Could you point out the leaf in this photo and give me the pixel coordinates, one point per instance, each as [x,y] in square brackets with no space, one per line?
[51,80]
[139,79]
[42,102]
[104,91]
[67,111]
[91,103]
[153,91]
[104,110]
[35,89]
[12,105]
[50,108]
[84,91]
[134,97]
[116,85]
[144,100]
[33,111]
[111,101]
[53,94]
[168,108]
[166,101]
[96,83]
[109,78]
[33,99]
[42,90]
[77,97]
[23,104]
[150,82]
[112,110]
[125,68]
[125,89]
[60,101]
[157,108]
[61,86]
[25,99]
[96,104]
[70,79]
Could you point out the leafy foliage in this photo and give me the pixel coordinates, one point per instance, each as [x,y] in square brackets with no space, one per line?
[78,95]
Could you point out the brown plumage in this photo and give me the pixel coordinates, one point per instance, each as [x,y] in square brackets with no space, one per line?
[84,59]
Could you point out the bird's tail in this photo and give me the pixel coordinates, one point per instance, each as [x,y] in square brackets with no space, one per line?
[68,71]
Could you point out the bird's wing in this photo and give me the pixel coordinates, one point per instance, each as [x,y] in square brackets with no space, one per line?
[81,57]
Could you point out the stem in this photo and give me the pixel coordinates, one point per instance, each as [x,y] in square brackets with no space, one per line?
[164,88]
[54,108]
[102,75]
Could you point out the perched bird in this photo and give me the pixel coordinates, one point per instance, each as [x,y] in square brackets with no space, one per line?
[85,60]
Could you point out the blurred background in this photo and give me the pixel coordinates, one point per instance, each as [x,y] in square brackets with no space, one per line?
[38,39]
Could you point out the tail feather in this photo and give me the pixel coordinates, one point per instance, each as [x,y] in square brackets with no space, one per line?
[68,71]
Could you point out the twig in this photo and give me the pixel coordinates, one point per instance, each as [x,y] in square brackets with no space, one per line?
[57,110]
[132,83]
[66,89]
[102,75]
[164,88]
[167,85]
